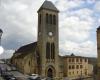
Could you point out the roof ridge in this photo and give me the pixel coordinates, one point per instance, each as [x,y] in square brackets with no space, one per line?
[48,5]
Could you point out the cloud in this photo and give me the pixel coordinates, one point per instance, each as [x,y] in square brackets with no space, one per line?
[17,22]
[64,5]
[87,48]
[99,21]
[78,26]
[75,29]
[7,54]
[97,5]
[18,19]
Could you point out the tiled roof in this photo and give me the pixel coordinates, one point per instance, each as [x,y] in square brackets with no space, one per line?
[48,5]
[69,56]
[25,50]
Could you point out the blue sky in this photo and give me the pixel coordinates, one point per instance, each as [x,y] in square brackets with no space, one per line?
[78,20]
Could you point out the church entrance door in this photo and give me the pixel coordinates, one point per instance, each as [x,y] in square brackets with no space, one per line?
[50,73]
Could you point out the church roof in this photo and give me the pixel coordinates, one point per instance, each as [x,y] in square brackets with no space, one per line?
[48,5]
[25,50]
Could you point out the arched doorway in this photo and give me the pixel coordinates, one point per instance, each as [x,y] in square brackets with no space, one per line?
[50,73]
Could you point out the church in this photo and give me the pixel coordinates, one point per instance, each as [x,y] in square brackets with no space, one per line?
[42,57]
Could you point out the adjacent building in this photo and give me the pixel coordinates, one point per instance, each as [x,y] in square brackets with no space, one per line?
[98,51]
[76,67]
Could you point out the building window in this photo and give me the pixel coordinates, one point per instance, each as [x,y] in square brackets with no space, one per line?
[69,59]
[72,59]
[39,18]
[69,73]
[85,60]
[77,72]
[77,66]
[81,66]
[73,67]
[86,72]
[77,60]
[29,63]
[69,66]
[50,19]
[73,72]
[38,57]
[48,50]
[52,51]
[54,19]
[47,18]
[80,60]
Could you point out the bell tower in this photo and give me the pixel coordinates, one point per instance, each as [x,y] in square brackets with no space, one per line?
[48,41]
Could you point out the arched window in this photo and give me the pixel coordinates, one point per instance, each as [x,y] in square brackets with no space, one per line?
[40,18]
[52,51]
[38,57]
[54,19]
[50,19]
[47,18]
[29,63]
[48,50]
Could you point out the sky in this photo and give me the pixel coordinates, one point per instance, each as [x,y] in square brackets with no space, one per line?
[78,21]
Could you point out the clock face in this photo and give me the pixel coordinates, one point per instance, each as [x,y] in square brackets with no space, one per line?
[50,33]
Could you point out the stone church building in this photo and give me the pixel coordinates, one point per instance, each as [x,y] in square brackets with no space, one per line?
[42,57]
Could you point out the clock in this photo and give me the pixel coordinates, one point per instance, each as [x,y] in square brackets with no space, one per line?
[50,33]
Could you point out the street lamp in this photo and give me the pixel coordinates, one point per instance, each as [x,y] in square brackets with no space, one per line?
[1,32]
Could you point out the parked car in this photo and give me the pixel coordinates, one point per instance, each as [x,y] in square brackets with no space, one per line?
[34,77]
[13,68]
[48,78]
[8,76]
